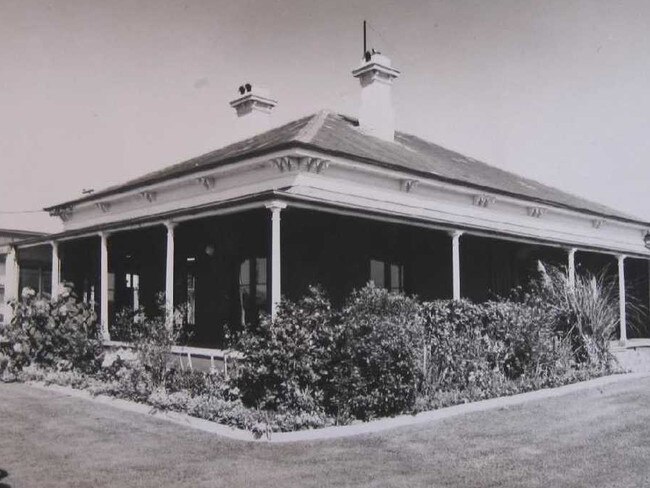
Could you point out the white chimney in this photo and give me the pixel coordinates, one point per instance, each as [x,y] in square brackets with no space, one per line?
[253,108]
[376,116]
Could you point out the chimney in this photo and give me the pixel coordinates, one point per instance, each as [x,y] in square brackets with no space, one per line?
[376,116]
[253,108]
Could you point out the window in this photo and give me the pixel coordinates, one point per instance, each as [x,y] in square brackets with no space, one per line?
[387,275]
[133,284]
[252,288]
[191,298]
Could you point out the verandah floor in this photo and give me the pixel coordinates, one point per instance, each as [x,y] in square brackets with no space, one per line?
[595,437]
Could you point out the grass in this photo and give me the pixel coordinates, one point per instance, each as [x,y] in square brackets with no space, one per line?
[597,438]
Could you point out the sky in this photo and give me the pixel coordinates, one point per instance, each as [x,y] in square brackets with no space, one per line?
[96,92]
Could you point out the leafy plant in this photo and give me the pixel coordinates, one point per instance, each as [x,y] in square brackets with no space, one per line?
[60,333]
[286,360]
[377,369]
[585,312]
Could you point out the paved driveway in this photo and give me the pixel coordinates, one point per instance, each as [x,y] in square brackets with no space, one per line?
[597,438]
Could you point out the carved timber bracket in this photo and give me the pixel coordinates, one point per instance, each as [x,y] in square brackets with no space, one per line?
[103,206]
[149,196]
[64,213]
[300,163]
[408,185]
[597,223]
[536,212]
[483,200]
[206,181]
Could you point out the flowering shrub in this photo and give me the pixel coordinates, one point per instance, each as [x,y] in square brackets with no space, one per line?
[60,333]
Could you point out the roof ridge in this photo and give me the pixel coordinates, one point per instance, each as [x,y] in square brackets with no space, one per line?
[309,131]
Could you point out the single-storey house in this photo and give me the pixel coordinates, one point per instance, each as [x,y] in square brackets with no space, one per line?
[332,200]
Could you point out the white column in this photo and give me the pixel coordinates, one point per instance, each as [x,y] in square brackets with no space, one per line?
[572,266]
[169,270]
[103,279]
[56,269]
[12,282]
[276,255]
[648,302]
[455,262]
[621,296]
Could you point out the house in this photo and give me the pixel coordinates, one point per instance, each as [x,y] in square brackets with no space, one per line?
[36,271]
[333,200]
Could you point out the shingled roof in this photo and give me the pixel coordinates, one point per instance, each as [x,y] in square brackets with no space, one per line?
[339,135]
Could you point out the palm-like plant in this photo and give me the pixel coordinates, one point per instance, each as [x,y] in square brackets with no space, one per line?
[585,311]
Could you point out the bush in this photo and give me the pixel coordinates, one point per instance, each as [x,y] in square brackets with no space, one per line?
[152,338]
[286,360]
[377,369]
[61,333]
[482,346]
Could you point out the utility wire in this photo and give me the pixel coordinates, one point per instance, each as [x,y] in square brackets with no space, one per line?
[13,212]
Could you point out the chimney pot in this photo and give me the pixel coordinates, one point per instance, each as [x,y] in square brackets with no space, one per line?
[253,108]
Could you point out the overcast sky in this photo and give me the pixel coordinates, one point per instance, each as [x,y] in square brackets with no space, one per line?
[95,92]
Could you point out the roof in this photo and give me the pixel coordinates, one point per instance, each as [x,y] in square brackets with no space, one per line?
[339,135]
[10,236]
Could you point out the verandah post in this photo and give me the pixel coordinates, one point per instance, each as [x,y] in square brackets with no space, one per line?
[103,285]
[169,272]
[12,282]
[56,269]
[276,256]
[455,260]
[572,266]
[621,297]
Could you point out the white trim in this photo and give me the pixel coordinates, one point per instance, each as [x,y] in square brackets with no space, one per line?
[206,352]
[103,280]
[276,254]
[621,298]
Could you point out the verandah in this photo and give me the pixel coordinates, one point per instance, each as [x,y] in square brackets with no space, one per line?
[223,265]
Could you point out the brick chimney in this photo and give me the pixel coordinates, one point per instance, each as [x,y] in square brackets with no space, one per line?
[253,107]
[376,115]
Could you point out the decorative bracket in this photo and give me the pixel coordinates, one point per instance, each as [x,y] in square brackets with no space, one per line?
[103,206]
[306,163]
[149,196]
[536,212]
[64,213]
[207,181]
[408,185]
[597,223]
[483,200]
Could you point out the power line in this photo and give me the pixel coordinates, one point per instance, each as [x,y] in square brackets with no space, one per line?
[14,212]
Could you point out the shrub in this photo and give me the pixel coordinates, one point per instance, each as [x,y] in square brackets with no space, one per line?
[286,360]
[152,337]
[482,346]
[377,369]
[60,333]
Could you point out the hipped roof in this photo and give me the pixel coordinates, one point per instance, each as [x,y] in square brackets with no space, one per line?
[339,135]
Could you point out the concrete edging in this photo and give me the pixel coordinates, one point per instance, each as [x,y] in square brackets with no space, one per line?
[337,432]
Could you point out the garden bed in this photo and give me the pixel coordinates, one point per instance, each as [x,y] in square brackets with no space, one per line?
[313,366]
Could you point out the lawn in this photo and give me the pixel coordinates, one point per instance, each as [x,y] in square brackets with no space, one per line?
[596,437]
